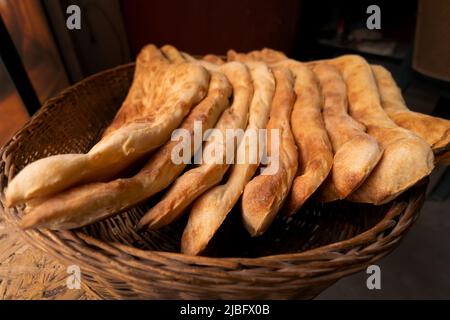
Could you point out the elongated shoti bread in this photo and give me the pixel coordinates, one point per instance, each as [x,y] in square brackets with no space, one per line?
[265,194]
[90,202]
[315,151]
[211,208]
[434,130]
[355,152]
[161,96]
[407,158]
[196,181]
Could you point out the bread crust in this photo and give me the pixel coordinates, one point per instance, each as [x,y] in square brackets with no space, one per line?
[265,194]
[267,55]
[172,54]
[355,152]
[315,151]
[435,131]
[407,158]
[308,127]
[213,59]
[210,209]
[196,181]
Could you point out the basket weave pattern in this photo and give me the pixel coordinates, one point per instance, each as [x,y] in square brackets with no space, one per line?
[118,262]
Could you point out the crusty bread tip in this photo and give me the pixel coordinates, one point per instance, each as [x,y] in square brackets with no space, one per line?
[407,158]
[314,147]
[210,210]
[434,130]
[265,194]
[355,152]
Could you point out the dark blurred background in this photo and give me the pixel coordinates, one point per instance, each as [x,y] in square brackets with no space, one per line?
[40,57]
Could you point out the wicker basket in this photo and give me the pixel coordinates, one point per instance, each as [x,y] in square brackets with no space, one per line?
[297,258]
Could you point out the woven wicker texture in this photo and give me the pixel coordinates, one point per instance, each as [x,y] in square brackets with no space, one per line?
[297,258]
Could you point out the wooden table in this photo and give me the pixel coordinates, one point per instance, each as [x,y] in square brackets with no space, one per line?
[27,273]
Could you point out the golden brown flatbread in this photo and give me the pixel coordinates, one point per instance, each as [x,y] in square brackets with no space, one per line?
[196,181]
[434,130]
[315,151]
[265,194]
[90,202]
[355,152]
[210,209]
[314,147]
[161,95]
[407,158]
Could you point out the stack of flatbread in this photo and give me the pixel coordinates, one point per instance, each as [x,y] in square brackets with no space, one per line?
[343,132]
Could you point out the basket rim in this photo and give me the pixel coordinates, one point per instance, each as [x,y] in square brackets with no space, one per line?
[365,239]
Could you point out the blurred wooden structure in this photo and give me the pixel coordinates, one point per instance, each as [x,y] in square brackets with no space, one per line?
[101,43]
[29,30]
[205,26]
[432,43]
[13,112]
